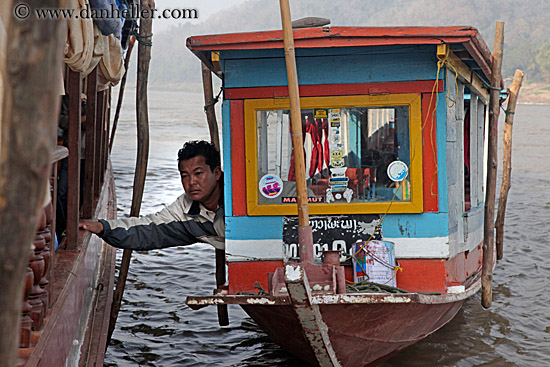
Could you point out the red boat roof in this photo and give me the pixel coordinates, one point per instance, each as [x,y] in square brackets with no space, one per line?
[464,41]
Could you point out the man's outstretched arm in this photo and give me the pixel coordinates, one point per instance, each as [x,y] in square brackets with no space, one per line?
[167,228]
[92,226]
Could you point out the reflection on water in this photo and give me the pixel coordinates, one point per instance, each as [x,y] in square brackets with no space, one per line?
[156,328]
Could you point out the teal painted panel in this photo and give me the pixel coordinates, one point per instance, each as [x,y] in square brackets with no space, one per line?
[395,225]
[416,225]
[328,51]
[254,228]
[442,154]
[331,69]
[226,147]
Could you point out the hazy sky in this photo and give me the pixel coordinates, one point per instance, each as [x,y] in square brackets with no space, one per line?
[205,8]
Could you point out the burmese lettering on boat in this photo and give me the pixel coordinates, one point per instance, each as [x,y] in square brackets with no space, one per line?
[338,232]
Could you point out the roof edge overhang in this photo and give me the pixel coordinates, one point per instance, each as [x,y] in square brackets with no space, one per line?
[323,37]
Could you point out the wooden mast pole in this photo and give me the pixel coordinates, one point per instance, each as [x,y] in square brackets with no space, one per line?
[30,107]
[144,57]
[223,316]
[305,237]
[489,220]
[507,161]
[209,105]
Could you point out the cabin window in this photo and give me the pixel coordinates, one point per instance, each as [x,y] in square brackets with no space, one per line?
[349,142]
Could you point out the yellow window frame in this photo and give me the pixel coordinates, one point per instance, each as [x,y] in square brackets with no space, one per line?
[415,205]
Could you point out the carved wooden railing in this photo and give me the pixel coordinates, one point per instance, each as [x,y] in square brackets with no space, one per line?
[39,278]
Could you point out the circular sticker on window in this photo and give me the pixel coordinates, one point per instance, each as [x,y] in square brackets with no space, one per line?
[271,186]
[397,171]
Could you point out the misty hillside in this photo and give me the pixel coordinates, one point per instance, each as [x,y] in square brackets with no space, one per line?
[527,28]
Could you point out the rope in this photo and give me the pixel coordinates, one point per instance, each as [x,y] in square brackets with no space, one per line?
[140,38]
[370,287]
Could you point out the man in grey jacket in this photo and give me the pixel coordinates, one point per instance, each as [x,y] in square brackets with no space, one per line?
[196,216]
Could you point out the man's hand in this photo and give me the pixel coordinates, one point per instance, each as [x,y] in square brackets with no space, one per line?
[92,226]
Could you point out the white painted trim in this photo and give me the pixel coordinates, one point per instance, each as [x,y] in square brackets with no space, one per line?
[253,250]
[474,239]
[421,248]
[405,248]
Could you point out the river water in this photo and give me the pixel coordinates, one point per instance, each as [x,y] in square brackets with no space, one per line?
[156,328]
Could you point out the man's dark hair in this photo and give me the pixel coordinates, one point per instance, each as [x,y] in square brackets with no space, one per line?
[192,149]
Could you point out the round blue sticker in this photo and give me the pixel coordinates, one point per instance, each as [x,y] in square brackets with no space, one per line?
[397,171]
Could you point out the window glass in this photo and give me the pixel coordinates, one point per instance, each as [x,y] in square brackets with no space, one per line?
[347,154]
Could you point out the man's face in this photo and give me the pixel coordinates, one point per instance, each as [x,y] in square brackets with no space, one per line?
[198,179]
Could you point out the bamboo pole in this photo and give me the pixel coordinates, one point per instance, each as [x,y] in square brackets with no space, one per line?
[489,219]
[144,57]
[30,107]
[121,91]
[223,316]
[305,237]
[507,161]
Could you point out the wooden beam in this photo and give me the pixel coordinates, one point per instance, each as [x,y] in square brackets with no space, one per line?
[89,151]
[507,161]
[142,112]
[73,170]
[489,224]
[305,236]
[309,315]
[209,105]
[97,142]
[215,57]
[466,76]
[104,137]
[30,107]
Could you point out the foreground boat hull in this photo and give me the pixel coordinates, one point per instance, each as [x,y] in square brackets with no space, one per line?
[356,329]
[360,334]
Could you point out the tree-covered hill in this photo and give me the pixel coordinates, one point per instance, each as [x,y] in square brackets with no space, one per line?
[527,28]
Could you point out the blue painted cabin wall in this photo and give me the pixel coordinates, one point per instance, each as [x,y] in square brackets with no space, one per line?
[317,66]
[226,143]
[355,65]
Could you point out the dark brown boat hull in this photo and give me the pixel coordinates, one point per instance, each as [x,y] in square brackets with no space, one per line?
[360,334]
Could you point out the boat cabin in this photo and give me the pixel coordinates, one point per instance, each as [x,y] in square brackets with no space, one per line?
[394,123]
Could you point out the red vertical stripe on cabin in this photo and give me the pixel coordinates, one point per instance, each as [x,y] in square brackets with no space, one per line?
[464,267]
[422,275]
[242,276]
[429,153]
[238,174]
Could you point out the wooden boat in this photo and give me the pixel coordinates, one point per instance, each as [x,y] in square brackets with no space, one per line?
[369,97]
[68,288]
[71,329]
